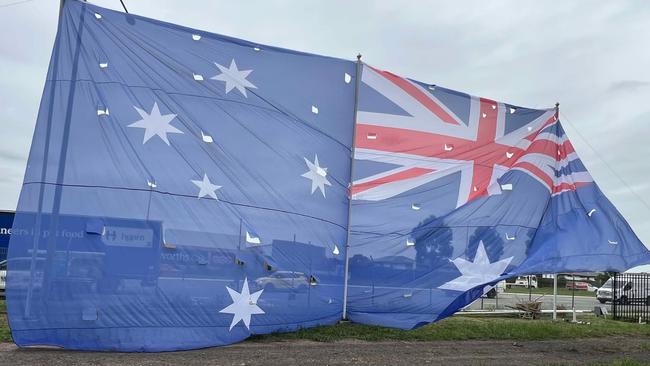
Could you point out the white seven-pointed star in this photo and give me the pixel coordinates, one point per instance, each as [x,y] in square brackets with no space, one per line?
[317,175]
[206,188]
[478,272]
[243,305]
[155,124]
[234,78]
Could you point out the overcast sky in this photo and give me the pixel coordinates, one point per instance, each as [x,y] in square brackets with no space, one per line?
[592,57]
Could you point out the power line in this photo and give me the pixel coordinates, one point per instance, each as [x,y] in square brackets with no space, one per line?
[577,131]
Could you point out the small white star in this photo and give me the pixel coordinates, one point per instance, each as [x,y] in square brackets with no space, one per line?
[317,175]
[234,78]
[478,272]
[206,188]
[243,305]
[155,124]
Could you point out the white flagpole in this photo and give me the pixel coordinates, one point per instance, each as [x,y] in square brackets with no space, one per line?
[557,116]
[347,241]
[555,296]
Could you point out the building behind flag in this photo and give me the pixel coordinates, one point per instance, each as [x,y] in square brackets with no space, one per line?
[6,221]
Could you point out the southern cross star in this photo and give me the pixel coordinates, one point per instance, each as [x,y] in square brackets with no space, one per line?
[206,188]
[234,78]
[317,175]
[478,272]
[243,305]
[155,124]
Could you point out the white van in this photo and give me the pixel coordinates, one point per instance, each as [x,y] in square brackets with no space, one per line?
[629,291]
[523,281]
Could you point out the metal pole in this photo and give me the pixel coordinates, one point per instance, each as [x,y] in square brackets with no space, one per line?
[238,259]
[53,222]
[311,276]
[573,297]
[557,116]
[530,290]
[555,296]
[37,231]
[372,278]
[573,291]
[614,307]
[354,136]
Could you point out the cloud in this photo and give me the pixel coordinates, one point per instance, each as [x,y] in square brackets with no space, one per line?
[628,85]
[13,156]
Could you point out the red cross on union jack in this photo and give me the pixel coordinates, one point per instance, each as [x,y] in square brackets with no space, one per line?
[432,142]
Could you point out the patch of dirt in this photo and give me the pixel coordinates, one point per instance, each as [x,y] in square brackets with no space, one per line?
[351,352]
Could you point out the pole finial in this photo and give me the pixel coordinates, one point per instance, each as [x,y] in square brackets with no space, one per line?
[557,110]
[358,57]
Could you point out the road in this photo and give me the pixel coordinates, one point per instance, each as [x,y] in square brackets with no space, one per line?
[510,299]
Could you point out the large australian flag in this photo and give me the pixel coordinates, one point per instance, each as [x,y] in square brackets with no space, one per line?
[184,189]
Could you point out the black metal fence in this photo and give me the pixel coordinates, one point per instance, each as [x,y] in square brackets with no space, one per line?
[631,297]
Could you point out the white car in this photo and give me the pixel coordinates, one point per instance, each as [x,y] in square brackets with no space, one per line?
[283,280]
[3,277]
[21,276]
[524,281]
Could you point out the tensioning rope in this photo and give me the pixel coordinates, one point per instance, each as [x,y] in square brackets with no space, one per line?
[599,156]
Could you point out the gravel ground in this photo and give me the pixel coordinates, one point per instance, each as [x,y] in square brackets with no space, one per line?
[351,352]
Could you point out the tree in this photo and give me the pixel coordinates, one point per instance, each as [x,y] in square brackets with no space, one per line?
[433,243]
[360,261]
[492,241]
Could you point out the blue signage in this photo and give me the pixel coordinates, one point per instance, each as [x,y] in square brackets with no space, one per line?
[6,221]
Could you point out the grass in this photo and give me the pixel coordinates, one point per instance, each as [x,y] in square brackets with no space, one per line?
[460,328]
[5,333]
[456,328]
[549,291]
